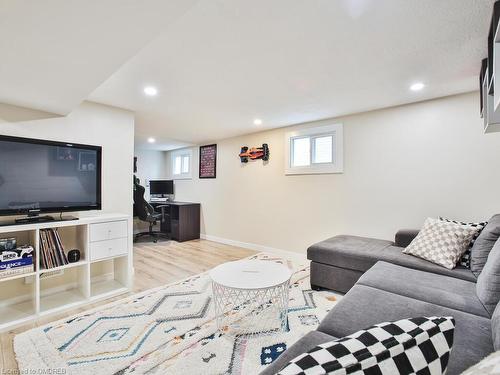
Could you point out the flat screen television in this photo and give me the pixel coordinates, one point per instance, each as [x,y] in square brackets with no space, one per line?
[44,176]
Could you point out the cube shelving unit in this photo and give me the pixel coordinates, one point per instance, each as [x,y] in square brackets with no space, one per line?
[104,269]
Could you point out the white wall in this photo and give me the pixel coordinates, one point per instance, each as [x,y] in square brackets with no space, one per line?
[401,165]
[94,124]
[151,165]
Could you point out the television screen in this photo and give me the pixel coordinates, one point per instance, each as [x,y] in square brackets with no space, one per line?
[48,176]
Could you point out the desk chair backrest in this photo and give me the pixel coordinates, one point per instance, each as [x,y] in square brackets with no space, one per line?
[141,207]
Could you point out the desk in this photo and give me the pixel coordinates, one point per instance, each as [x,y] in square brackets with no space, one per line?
[182,220]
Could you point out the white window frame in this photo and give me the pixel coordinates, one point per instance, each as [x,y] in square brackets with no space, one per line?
[337,164]
[181,153]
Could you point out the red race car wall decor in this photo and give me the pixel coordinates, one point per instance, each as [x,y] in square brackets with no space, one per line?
[254,153]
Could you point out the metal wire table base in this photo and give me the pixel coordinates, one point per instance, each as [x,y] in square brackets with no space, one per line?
[251,311]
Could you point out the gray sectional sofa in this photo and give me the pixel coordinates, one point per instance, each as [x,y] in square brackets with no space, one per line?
[383,284]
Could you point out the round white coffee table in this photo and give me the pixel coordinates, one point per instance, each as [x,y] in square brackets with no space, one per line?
[251,296]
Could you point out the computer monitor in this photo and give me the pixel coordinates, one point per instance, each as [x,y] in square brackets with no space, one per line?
[161,187]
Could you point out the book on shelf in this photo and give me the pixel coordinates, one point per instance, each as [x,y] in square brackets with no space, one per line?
[15,260]
[51,249]
[9,272]
[22,262]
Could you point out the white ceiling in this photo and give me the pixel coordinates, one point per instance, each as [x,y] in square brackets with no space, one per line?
[225,62]
[54,53]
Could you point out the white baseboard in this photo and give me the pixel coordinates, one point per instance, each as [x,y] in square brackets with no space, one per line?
[251,246]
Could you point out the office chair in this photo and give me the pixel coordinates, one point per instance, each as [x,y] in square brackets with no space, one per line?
[146,212]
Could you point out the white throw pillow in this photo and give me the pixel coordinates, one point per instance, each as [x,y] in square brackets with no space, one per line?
[442,242]
[488,366]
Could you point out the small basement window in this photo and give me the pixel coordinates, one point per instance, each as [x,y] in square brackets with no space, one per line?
[315,150]
[181,163]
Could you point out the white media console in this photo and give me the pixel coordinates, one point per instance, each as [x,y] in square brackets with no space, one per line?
[104,269]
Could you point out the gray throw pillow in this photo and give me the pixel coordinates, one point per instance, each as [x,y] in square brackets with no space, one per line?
[483,245]
[488,282]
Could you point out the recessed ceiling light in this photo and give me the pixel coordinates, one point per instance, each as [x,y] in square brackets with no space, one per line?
[417,86]
[257,121]
[151,140]
[150,90]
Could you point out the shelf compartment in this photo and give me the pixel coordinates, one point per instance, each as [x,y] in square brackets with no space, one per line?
[17,300]
[65,267]
[64,288]
[72,237]
[23,237]
[101,289]
[108,276]
[14,277]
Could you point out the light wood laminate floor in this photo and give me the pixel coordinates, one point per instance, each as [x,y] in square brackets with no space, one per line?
[155,265]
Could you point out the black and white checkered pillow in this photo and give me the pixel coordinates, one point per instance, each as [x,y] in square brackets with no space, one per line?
[409,346]
[465,259]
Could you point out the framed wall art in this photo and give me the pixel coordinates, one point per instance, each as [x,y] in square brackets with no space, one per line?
[208,161]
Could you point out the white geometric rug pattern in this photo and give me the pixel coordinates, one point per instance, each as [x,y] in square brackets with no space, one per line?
[168,330]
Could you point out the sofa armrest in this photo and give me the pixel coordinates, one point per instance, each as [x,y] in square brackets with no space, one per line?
[405,236]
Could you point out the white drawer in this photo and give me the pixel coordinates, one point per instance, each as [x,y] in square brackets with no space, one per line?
[108,231]
[109,248]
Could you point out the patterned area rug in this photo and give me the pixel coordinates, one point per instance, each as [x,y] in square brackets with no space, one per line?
[168,330]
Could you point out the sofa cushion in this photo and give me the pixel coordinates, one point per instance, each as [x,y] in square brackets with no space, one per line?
[394,255]
[404,237]
[488,282]
[332,277]
[495,327]
[360,253]
[353,252]
[417,346]
[442,242]
[363,306]
[306,343]
[483,245]
[425,286]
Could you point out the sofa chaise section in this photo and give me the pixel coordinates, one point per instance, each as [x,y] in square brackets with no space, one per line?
[338,262]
